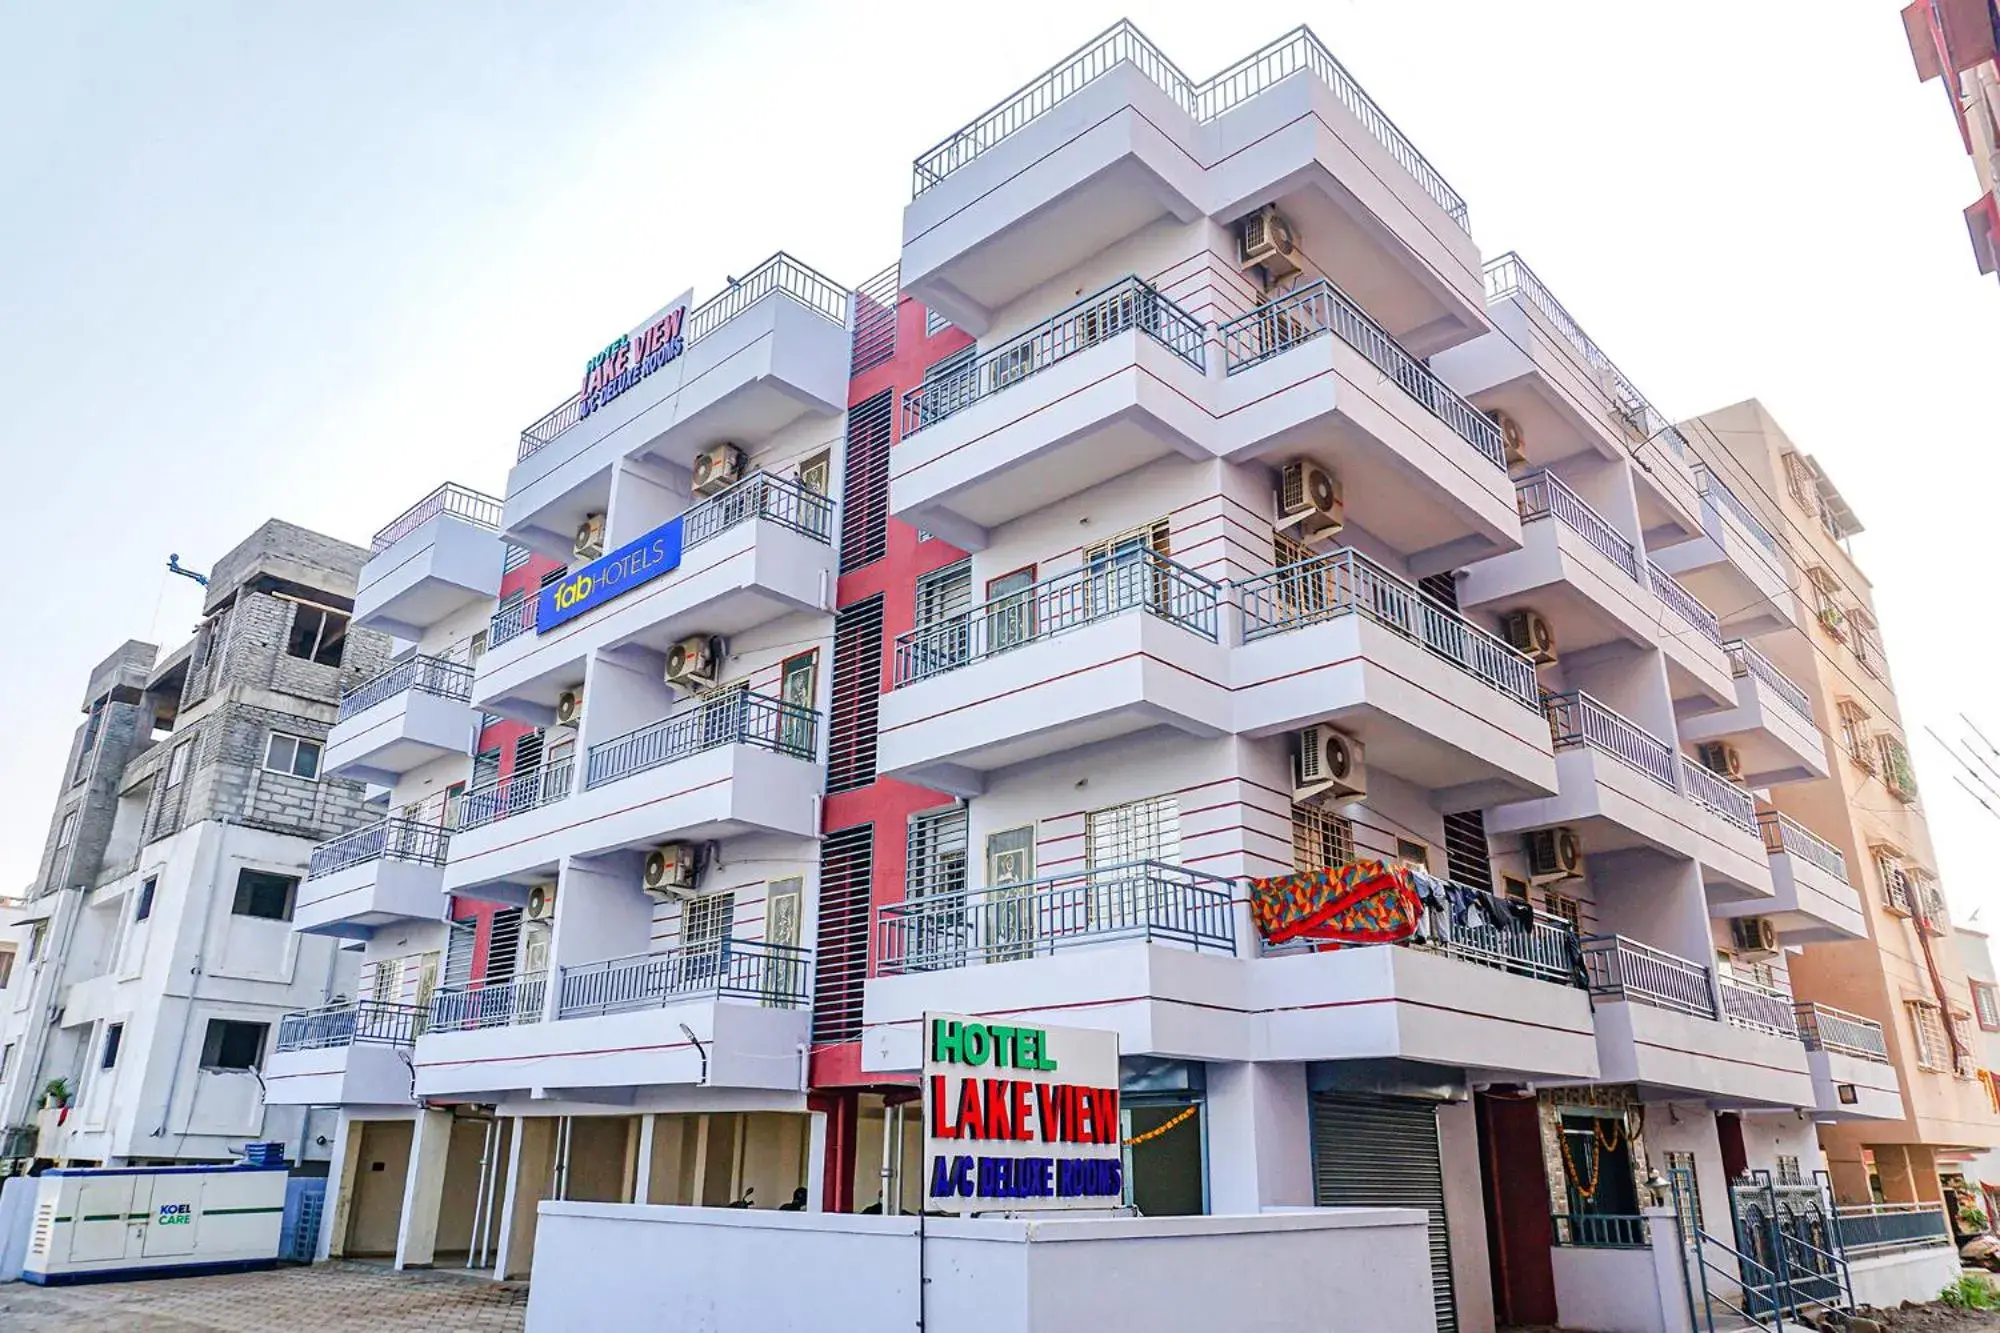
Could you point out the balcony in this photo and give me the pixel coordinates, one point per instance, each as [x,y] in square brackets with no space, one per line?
[499,846]
[1664,1023]
[727,1014]
[376,876]
[1421,468]
[1434,698]
[1690,636]
[771,349]
[749,555]
[1736,562]
[1114,138]
[1617,783]
[1853,1078]
[418,710]
[442,555]
[351,1054]
[1770,725]
[1730,849]
[1106,650]
[1105,386]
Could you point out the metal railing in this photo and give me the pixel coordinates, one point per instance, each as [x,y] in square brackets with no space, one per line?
[1544,495]
[780,500]
[1685,604]
[525,789]
[773,975]
[1876,1228]
[1745,660]
[1714,792]
[1346,582]
[1320,307]
[394,839]
[430,675]
[1577,719]
[351,1022]
[1135,580]
[1746,1004]
[1297,50]
[1547,951]
[724,717]
[780,274]
[512,621]
[492,1005]
[1128,304]
[1712,487]
[1602,1231]
[450,498]
[1825,1028]
[1140,900]
[1626,969]
[1782,833]
[1509,275]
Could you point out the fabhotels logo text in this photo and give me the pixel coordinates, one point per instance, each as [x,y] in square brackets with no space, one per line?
[630,359]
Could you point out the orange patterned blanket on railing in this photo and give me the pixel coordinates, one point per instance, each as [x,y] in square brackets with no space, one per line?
[1365,902]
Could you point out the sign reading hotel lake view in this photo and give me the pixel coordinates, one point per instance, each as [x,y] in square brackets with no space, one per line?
[611,575]
[1019,1118]
[633,356]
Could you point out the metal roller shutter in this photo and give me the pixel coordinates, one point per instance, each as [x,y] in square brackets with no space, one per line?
[1382,1152]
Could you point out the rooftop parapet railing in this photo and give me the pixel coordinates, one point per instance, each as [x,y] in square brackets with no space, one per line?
[450,498]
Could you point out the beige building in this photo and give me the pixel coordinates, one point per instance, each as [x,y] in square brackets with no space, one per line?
[1906,975]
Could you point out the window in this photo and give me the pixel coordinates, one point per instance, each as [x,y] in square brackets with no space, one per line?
[503,946]
[1895,879]
[1826,603]
[36,934]
[318,634]
[113,1035]
[232,1044]
[475,648]
[937,853]
[943,635]
[260,893]
[1680,1166]
[528,751]
[89,746]
[1126,573]
[1321,839]
[1854,736]
[1148,830]
[6,967]
[556,575]
[385,985]
[66,830]
[1866,641]
[6,1060]
[1963,1042]
[1563,907]
[1011,617]
[292,755]
[143,907]
[485,768]
[1414,852]
[1515,888]
[177,763]
[1986,1004]
[1929,1035]
[1789,1172]
[1897,775]
[706,922]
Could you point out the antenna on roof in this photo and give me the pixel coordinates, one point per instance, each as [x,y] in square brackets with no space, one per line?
[174,567]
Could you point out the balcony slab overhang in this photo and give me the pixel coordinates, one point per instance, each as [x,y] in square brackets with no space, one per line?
[1877,1091]
[1777,742]
[1808,904]
[733,1045]
[355,901]
[1586,598]
[358,1074]
[1613,806]
[1729,570]
[400,733]
[443,566]
[706,797]
[1672,1054]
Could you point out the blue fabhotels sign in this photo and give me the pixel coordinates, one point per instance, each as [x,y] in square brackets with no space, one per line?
[609,576]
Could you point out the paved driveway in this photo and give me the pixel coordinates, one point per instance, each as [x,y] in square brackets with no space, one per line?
[327,1298]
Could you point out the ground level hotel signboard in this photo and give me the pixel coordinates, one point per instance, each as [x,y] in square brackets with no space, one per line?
[1019,1117]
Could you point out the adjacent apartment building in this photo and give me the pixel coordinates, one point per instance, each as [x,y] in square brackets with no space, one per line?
[154,952]
[1954,42]
[1193,510]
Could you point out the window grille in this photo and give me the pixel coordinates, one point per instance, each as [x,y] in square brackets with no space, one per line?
[1148,830]
[1321,839]
[856,696]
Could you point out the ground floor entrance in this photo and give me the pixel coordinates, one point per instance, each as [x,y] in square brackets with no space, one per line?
[1382,1152]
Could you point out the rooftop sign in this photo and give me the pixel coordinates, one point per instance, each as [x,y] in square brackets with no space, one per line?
[633,356]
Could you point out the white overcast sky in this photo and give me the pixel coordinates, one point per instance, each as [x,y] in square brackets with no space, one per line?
[310,261]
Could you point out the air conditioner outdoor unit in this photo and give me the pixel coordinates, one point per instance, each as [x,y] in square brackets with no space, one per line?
[691,663]
[1755,938]
[1527,631]
[1511,438]
[1721,757]
[569,707]
[1310,499]
[1265,240]
[590,537]
[717,468]
[1554,854]
[1327,762]
[670,870]
[541,903]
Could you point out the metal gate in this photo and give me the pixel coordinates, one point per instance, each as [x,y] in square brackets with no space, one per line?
[1382,1152]
[1790,1231]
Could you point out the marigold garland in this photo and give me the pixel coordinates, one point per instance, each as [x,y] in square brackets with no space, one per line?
[1160,1129]
[1609,1142]
[1588,1193]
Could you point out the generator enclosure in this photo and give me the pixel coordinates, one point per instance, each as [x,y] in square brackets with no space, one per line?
[94,1224]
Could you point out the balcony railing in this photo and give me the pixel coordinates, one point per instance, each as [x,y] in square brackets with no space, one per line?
[1602,1231]
[1717,793]
[394,838]
[1126,305]
[1318,308]
[1685,604]
[1782,833]
[1711,487]
[1544,495]
[1746,1004]
[1877,1228]
[725,717]
[1297,50]
[1141,900]
[1577,719]
[780,500]
[1509,275]
[512,621]
[1547,951]
[773,975]
[430,675]
[1135,580]
[1747,661]
[525,789]
[450,498]
[491,1005]
[1825,1028]
[780,274]
[346,1024]
[1628,970]
[1347,582]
